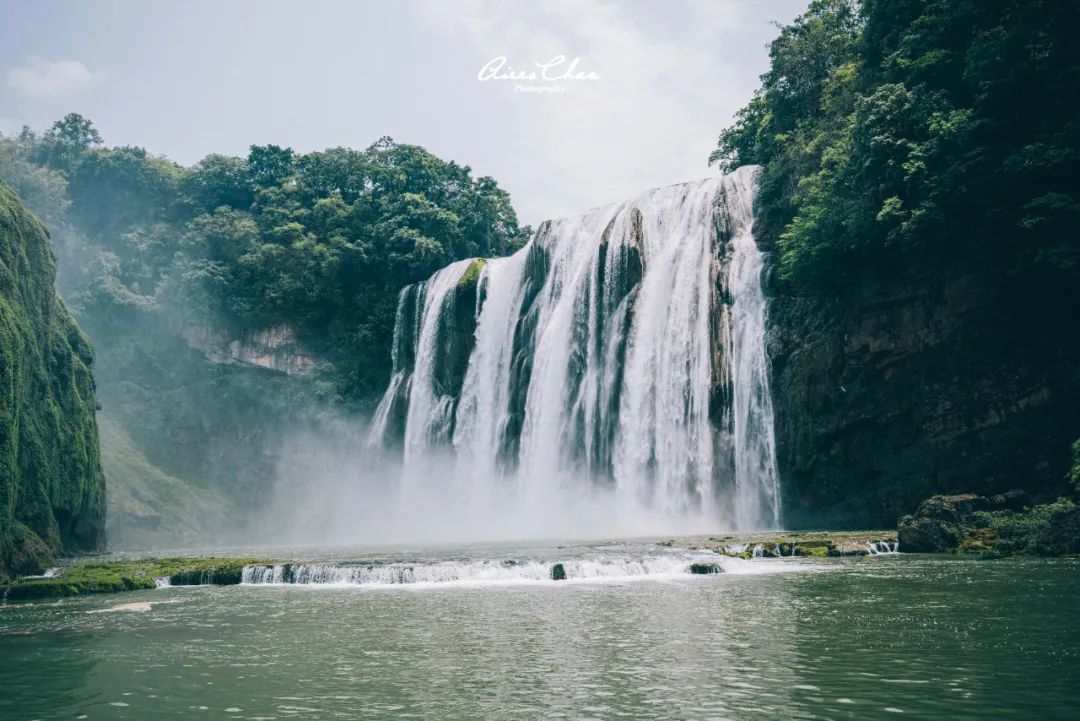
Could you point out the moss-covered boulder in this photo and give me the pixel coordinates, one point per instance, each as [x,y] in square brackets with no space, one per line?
[919,534]
[1002,525]
[52,491]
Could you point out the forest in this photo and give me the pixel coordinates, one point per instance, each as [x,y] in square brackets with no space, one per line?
[321,242]
[920,194]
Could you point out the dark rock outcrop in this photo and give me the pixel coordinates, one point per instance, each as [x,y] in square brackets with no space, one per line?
[1002,525]
[705,569]
[938,526]
[896,391]
[558,572]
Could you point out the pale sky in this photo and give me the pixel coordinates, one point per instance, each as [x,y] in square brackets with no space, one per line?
[186,79]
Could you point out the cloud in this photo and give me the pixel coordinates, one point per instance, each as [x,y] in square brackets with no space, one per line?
[668,88]
[43,78]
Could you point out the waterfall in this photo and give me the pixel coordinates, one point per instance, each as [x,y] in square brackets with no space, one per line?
[620,352]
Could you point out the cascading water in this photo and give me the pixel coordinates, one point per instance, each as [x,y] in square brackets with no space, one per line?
[619,355]
[614,567]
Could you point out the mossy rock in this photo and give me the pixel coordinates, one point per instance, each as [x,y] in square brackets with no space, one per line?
[115,576]
[814,550]
[472,274]
[558,572]
[52,490]
[918,534]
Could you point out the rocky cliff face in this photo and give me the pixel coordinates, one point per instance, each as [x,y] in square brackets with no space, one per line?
[276,348]
[52,491]
[901,390]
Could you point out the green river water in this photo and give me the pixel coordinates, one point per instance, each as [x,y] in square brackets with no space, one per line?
[879,637]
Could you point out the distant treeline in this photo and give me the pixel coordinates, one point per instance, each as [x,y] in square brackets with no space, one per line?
[320,241]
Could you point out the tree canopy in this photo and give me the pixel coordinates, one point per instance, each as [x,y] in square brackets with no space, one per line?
[320,241]
[912,133]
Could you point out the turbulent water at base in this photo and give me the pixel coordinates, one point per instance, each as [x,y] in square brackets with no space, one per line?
[617,359]
[502,571]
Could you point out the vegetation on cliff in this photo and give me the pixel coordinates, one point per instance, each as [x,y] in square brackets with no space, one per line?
[156,258]
[920,189]
[1002,525]
[52,492]
[321,242]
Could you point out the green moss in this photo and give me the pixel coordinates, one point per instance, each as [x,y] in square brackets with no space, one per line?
[52,491]
[1003,525]
[814,550]
[472,273]
[115,576]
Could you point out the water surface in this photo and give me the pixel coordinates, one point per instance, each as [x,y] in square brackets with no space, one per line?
[876,637]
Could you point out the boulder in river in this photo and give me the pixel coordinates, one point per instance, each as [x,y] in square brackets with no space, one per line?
[702,569]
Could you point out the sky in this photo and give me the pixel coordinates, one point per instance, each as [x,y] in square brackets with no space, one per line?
[637,101]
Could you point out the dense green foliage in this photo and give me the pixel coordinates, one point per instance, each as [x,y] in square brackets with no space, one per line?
[321,241]
[1050,529]
[919,132]
[920,193]
[52,493]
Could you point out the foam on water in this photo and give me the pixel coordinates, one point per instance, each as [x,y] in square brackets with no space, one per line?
[502,572]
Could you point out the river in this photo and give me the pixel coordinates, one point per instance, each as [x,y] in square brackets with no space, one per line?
[853,638]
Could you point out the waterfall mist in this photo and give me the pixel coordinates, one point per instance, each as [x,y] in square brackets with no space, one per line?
[330,495]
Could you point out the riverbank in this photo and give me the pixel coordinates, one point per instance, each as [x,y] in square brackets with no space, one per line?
[114,576]
[814,544]
[996,526]
[677,555]
[690,554]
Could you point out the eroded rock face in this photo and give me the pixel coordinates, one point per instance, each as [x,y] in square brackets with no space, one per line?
[897,391]
[275,348]
[927,535]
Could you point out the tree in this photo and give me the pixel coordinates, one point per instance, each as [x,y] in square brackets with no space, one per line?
[269,165]
[67,142]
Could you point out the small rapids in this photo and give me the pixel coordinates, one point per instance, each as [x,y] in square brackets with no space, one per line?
[881,548]
[504,571]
